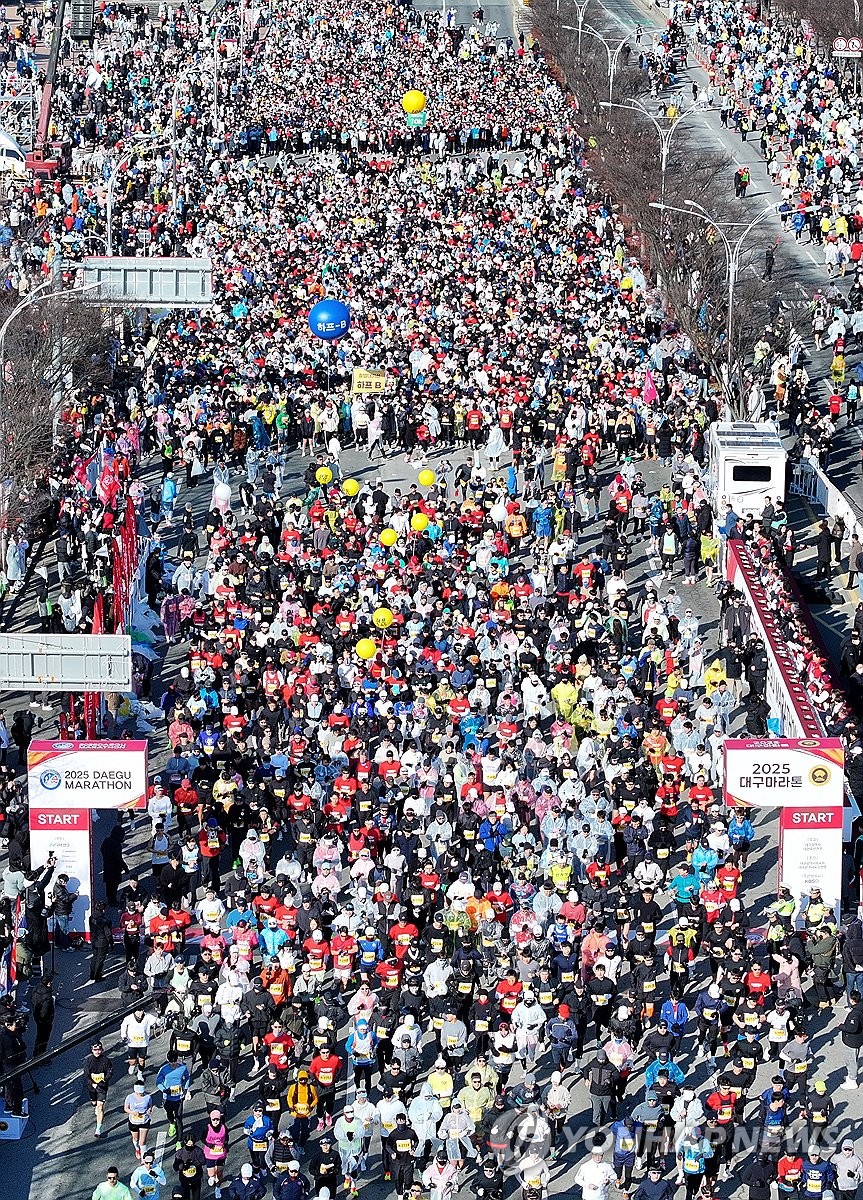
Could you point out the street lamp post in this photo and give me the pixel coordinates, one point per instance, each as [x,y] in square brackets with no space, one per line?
[216,33]
[580,9]
[39,293]
[182,77]
[611,52]
[244,12]
[733,249]
[240,44]
[665,132]
[144,143]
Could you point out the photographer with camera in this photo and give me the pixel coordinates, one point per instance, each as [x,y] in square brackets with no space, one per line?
[36,909]
[61,902]
[13,1053]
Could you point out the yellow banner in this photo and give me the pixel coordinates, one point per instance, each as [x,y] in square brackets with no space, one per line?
[368,383]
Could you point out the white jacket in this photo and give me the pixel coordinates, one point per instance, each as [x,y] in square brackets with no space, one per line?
[424,1114]
[594,1178]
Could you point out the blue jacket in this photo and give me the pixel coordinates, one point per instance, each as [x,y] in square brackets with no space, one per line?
[290,1187]
[817,1177]
[740,831]
[258,1130]
[173,1080]
[674,1072]
[491,836]
[624,1143]
[676,1020]
[705,1004]
[246,1189]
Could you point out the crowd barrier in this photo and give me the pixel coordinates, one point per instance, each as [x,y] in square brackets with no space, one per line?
[793,715]
[786,695]
[809,481]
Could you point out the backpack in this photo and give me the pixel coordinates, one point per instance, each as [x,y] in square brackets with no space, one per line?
[23,960]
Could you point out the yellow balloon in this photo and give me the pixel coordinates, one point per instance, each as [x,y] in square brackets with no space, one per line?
[426,478]
[413,102]
[324,476]
[351,487]
[419,522]
[366,649]
[382,618]
[389,537]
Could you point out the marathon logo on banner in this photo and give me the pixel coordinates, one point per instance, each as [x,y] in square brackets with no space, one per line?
[89,774]
[87,780]
[784,771]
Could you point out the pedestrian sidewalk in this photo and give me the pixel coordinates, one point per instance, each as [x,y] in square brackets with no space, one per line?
[830,602]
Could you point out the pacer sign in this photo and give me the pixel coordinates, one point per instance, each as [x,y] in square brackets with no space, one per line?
[66,781]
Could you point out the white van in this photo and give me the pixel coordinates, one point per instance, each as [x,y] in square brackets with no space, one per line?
[745,465]
[12,157]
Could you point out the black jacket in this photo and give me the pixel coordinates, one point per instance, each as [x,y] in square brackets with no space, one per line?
[602,1078]
[852,1026]
[42,1004]
[758,1176]
[13,1051]
[101,932]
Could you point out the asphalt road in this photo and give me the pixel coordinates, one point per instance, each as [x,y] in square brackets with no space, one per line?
[59,1160]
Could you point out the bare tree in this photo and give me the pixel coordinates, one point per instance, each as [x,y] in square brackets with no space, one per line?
[826,18]
[48,350]
[685,253]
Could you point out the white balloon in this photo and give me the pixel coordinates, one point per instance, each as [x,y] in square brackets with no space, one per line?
[222,496]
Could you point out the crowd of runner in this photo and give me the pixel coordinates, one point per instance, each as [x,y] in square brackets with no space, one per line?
[436,882]
[776,85]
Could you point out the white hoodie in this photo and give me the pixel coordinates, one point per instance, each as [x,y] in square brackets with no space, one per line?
[425,1113]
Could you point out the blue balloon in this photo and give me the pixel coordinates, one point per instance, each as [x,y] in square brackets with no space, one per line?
[330,319]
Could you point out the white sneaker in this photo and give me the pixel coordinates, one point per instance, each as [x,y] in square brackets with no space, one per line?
[849,1085]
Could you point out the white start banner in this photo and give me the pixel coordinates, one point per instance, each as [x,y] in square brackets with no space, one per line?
[65,833]
[66,781]
[805,779]
[775,772]
[810,852]
[87,774]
